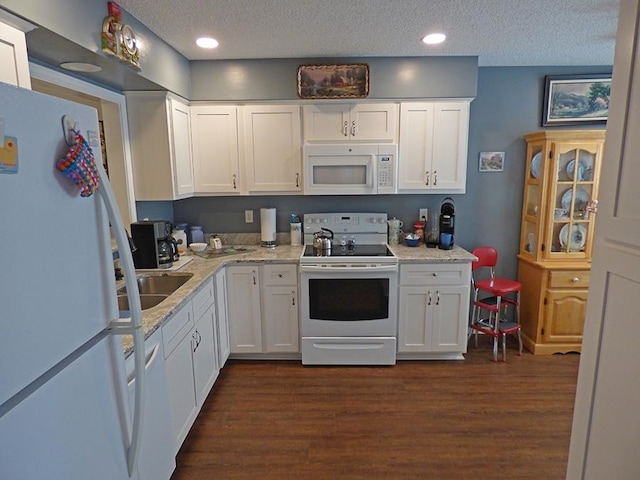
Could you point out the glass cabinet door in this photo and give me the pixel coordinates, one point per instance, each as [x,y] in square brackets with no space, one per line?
[571,193]
[530,236]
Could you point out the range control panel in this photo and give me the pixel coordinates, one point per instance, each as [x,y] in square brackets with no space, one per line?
[350,223]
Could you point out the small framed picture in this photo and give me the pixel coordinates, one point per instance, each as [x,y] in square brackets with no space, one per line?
[491,162]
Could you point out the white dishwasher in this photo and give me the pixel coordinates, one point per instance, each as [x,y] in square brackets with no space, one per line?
[155,458]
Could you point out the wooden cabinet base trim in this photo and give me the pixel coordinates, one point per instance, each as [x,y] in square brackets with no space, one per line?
[549,349]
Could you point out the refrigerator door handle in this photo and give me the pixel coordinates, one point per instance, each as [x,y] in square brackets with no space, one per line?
[135,310]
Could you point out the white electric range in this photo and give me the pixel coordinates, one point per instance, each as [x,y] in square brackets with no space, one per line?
[349,294]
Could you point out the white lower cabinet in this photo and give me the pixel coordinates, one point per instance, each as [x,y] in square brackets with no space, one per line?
[243,306]
[433,308]
[224,347]
[191,358]
[156,457]
[267,322]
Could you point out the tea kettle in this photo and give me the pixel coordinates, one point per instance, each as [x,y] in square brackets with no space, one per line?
[323,239]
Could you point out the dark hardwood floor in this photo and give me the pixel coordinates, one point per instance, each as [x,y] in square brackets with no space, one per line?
[472,419]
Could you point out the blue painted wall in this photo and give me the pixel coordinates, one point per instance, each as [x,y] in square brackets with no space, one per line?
[507,106]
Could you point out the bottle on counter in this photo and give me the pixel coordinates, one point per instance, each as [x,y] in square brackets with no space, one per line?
[180,236]
[418,229]
[197,235]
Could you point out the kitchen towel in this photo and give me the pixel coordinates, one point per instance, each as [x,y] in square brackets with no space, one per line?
[268,225]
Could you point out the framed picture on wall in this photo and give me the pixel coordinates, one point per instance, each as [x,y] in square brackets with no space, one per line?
[576,100]
[333,81]
[491,162]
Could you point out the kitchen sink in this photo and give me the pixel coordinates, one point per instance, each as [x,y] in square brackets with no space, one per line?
[164,284]
[153,290]
[146,301]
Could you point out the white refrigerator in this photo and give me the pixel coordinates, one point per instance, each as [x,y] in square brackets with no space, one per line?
[64,409]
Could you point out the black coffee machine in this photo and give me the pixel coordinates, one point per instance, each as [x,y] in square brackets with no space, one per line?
[447,221]
[155,247]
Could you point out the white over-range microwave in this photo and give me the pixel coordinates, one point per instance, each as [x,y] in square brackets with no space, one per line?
[358,169]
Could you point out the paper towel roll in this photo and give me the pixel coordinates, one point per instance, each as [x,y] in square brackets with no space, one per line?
[268,226]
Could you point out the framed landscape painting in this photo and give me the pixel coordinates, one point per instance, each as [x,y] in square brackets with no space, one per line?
[333,81]
[576,100]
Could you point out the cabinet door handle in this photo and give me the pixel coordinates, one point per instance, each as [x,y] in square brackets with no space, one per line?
[297,180]
[345,128]
[353,128]
[437,297]
[254,277]
[575,279]
[429,301]
[427,176]
[234,181]
[435,177]
[293,298]
[194,345]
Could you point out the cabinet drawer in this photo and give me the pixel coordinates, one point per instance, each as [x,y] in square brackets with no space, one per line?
[279,275]
[435,274]
[202,300]
[569,279]
[176,328]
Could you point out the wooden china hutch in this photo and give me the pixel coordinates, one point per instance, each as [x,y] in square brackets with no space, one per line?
[556,236]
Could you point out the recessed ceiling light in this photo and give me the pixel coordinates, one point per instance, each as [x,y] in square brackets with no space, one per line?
[207,42]
[434,38]
[81,67]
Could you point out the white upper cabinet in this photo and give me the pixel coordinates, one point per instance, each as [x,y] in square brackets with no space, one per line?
[433,147]
[366,122]
[160,132]
[273,148]
[216,154]
[13,57]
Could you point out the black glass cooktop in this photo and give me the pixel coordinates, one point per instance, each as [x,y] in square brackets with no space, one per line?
[349,251]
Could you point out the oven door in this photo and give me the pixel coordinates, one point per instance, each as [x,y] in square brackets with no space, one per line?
[348,303]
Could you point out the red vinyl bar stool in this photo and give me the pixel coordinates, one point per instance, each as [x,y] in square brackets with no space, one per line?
[499,294]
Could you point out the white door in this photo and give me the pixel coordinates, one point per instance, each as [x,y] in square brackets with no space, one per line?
[280,319]
[70,428]
[216,155]
[243,306]
[13,57]
[450,139]
[181,144]
[374,122]
[416,146]
[273,148]
[606,424]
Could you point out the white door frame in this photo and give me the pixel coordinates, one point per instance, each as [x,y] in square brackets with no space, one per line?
[58,78]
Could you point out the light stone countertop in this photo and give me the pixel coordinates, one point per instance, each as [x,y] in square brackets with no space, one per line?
[204,269]
[431,255]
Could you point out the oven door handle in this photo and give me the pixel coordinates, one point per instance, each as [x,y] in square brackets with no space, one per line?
[351,268]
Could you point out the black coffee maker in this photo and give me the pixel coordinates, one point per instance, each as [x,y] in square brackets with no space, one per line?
[447,221]
[155,247]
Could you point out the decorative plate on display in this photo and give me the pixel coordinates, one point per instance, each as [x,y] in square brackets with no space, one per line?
[535,165]
[581,202]
[578,237]
[571,166]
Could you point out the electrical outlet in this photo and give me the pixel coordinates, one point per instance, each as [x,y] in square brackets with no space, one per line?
[424,214]
[248,216]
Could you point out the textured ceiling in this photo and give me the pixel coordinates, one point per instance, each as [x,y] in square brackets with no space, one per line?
[499,32]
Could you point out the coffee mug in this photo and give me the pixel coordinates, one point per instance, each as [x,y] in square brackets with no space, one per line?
[446,239]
